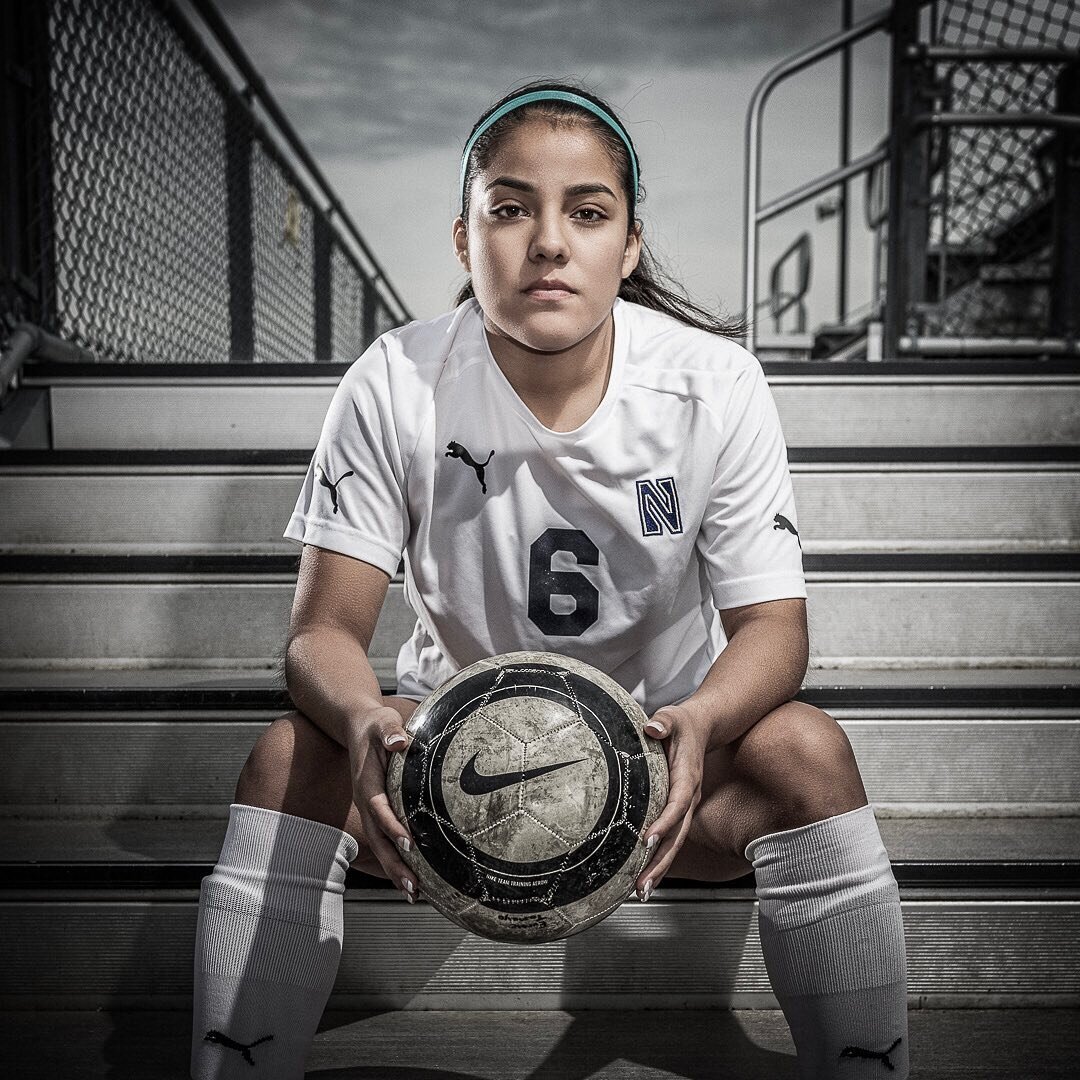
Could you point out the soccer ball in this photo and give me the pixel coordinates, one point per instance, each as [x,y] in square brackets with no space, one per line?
[528,786]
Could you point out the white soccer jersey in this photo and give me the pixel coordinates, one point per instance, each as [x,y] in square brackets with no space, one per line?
[614,543]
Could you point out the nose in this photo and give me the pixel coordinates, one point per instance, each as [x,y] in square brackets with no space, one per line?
[548,239]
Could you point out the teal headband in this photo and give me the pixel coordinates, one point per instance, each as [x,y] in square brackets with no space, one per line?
[551,95]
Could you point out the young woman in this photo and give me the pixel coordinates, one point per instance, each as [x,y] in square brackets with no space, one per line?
[576,459]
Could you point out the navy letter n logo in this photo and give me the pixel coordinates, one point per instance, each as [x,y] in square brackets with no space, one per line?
[658,506]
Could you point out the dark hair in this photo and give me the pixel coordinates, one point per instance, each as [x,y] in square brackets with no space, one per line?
[649,284]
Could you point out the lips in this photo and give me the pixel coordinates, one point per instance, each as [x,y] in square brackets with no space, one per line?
[548,289]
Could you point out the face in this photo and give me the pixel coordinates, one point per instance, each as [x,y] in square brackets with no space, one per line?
[546,242]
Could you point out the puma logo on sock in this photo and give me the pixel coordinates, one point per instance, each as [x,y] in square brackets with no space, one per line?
[456,450]
[859,1052]
[332,484]
[783,523]
[224,1040]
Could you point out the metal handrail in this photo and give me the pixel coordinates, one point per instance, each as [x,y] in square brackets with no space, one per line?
[256,87]
[26,341]
[988,54]
[997,119]
[816,187]
[870,25]
[781,303]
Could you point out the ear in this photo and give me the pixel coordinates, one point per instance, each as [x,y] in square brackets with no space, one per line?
[633,250]
[461,242]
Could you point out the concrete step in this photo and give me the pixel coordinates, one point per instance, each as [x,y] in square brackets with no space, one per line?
[921,762]
[856,404]
[932,615]
[148,847]
[182,501]
[124,947]
[991,904]
[593,1044]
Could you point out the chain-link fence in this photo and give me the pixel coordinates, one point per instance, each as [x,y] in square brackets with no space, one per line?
[161,221]
[971,199]
[991,253]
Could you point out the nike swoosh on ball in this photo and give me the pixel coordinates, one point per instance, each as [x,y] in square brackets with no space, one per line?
[474,783]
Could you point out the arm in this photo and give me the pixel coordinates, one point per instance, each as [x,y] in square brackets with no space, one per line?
[761,667]
[336,606]
[337,603]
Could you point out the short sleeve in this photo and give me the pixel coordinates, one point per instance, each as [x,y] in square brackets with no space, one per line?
[353,496]
[749,534]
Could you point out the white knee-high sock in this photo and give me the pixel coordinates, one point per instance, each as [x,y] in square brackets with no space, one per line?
[267,945]
[833,941]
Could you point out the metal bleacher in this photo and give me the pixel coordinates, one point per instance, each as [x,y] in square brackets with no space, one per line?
[145,592]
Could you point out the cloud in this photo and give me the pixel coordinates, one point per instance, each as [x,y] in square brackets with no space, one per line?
[384,78]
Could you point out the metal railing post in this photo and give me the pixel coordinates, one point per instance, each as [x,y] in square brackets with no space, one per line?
[845,158]
[323,243]
[239,140]
[1065,274]
[369,302]
[909,179]
[27,257]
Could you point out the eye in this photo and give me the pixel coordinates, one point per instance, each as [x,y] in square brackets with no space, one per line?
[498,211]
[595,214]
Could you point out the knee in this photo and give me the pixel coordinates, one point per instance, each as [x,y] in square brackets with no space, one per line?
[286,757]
[296,768]
[801,761]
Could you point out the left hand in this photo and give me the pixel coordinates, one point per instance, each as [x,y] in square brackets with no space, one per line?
[685,741]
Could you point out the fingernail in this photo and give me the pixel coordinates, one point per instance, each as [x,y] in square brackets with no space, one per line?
[651,842]
[654,729]
[410,898]
[404,844]
[406,884]
[395,740]
[647,891]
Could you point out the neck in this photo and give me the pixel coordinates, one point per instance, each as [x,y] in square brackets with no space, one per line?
[563,388]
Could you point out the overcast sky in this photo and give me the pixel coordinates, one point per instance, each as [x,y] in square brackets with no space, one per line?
[384,93]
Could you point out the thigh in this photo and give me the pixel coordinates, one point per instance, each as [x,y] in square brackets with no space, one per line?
[793,767]
[296,768]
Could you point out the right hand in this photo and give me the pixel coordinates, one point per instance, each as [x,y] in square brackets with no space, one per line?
[373,738]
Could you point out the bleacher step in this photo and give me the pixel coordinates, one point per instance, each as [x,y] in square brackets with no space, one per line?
[174,851]
[935,614]
[969,1044]
[123,949]
[95,689]
[923,762]
[97,502]
[853,403]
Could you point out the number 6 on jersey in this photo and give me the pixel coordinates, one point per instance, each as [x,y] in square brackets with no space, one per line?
[545,583]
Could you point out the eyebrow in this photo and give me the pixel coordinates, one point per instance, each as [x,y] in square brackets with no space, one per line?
[576,189]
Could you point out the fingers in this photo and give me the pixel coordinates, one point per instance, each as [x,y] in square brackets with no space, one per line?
[686,752]
[386,850]
[385,727]
[672,828]
[683,794]
[654,873]
[386,835]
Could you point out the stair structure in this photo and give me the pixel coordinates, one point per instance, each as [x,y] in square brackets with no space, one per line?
[145,591]
[145,587]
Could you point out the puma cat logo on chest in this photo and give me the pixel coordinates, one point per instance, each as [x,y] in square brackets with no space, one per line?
[456,450]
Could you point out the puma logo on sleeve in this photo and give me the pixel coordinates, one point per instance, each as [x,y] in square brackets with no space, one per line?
[783,523]
[332,484]
[456,450]
[224,1040]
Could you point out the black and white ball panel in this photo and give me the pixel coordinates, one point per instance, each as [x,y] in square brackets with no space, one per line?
[527,787]
[540,819]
